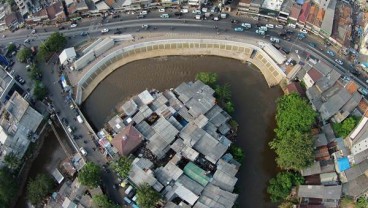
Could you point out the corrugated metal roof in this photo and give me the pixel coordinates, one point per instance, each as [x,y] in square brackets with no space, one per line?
[196,173]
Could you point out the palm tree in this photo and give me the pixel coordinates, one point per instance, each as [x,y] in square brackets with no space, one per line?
[12,161]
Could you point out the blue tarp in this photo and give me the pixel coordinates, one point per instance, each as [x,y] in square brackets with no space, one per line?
[343,164]
[301,2]
[365,64]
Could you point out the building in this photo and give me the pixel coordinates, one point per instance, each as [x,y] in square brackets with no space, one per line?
[295,12]
[244,6]
[18,126]
[13,20]
[311,77]
[328,196]
[127,140]
[285,10]
[25,6]
[327,23]
[342,30]
[7,84]
[302,19]
[56,12]
[68,55]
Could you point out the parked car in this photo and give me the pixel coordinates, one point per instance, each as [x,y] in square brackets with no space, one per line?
[279,26]
[304,31]
[73,25]
[61,28]
[105,30]
[164,16]
[238,29]
[234,21]
[161,10]
[83,33]
[83,151]
[339,62]
[145,27]
[313,45]
[117,32]
[270,25]
[20,79]
[331,53]
[141,16]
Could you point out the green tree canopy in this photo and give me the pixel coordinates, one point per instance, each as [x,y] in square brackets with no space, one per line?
[362,202]
[24,54]
[39,90]
[11,47]
[293,143]
[39,188]
[237,152]
[147,197]
[223,93]
[280,186]
[122,166]
[208,78]
[101,201]
[54,43]
[8,188]
[343,129]
[90,175]
[11,161]
[35,73]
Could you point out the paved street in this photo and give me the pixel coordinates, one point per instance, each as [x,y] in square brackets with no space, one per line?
[128,24]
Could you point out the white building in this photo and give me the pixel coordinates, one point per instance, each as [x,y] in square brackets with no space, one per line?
[311,77]
[68,55]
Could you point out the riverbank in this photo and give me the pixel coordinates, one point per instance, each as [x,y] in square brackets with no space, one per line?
[253,99]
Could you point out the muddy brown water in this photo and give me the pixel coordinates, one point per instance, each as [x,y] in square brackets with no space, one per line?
[254,103]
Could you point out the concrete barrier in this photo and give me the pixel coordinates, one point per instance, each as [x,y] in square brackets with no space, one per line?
[184,47]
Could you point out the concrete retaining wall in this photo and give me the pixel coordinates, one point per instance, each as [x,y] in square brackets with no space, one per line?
[230,49]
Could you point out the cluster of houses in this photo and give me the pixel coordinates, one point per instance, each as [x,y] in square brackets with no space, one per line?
[330,19]
[340,164]
[179,141]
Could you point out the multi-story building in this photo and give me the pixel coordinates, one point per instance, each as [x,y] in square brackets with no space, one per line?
[18,125]
[327,23]
[25,6]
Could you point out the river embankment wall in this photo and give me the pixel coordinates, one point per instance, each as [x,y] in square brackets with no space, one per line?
[178,47]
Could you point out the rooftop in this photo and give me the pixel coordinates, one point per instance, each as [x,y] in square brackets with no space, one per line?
[319,191]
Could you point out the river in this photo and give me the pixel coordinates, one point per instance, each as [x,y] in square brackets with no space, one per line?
[254,103]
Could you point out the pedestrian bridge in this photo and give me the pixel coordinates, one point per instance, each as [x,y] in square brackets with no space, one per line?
[178,47]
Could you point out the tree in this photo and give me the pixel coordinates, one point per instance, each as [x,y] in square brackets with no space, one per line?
[39,188]
[280,186]
[286,204]
[237,152]
[362,202]
[24,54]
[122,166]
[11,47]
[223,93]
[147,197]
[39,90]
[293,143]
[12,161]
[54,43]
[101,201]
[343,129]
[8,188]
[90,175]
[208,78]
[35,73]
[229,107]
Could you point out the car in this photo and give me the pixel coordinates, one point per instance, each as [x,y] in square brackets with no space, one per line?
[355,72]
[238,29]
[331,53]
[20,79]
[117,32]
[313,45]
[83,151]
[73,25]
[234,21]
[115,16]
[184,11]
[27,40]
[64,121]
[33,31]
[84,33]
[161,10]
[339,62]
[270,25]
[144,12]
[145,27]
[164,16]
[196,11]
[304,31]
[141,16]
[105,30]
[366,81]
[279,26]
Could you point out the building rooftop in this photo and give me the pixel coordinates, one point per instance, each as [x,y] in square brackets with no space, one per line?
[127,140]
[196,173]
[274,5]
[356,171]
[319,191]
[356,187]
[295,11]
[304,12]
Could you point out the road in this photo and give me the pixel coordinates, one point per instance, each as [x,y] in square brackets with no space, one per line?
[129,25]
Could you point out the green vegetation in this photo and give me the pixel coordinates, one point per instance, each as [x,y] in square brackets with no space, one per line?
[39,90]
[24,54]
[55,43]
[147,197]
[344,128]
[293,143]
[39,188]
[101,201]
[286,204]
[208,78]
[90,175]
[279,187]
[35,73]
[237,152]
[362,202]
[11,47]
[8,188]
[348,202]
[11,161]
[122,166]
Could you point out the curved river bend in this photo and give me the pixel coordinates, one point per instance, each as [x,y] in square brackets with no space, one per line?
[254,104]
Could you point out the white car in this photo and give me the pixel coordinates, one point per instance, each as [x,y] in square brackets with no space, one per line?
[73,25]
[269,25]
[304,31]
[105,30]
[279,26]
[339,61]
[161,10]
[83,151]
[184,11]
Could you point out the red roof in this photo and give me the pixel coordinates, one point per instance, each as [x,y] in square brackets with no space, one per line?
[295,87]
[305,12]
[314,74]
[127,140]
[295,11]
